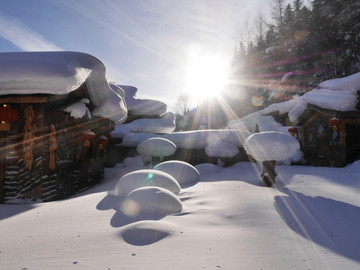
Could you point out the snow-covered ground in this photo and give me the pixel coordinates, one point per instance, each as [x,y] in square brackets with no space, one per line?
[309,220]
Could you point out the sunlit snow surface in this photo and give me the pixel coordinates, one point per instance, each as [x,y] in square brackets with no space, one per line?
[308,220]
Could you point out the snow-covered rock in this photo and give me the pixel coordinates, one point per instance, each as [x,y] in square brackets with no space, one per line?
[182,171]
[144,178]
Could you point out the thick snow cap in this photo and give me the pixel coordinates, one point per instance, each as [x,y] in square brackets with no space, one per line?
[156,147]
[137,106]
[60,73]
[271,145]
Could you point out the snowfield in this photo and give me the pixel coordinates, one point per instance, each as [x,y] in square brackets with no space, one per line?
[309,220]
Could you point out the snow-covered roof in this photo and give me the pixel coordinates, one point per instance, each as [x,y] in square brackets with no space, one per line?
[163,125]
[337,94]
[137,106]
[60,73]
[192,139]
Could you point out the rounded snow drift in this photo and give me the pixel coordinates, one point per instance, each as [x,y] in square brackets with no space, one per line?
[144,178]
[153,200]
[182,171]
[207,168]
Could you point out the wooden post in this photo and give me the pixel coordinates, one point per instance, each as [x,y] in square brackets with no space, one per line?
[2,165]
[84,166]
[268,174]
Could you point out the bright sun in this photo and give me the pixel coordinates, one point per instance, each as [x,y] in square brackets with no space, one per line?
[206,75]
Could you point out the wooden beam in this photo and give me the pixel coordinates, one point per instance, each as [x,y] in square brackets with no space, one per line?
[31,99]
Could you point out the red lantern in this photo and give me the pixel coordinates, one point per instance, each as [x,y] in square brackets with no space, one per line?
[293,131]
[335,123]
[101,141]
[7,116]
[88,136]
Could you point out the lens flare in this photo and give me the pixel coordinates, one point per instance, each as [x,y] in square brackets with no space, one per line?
[147,181]
[130,208]
[257,101]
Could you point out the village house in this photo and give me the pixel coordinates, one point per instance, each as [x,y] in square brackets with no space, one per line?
[56,111]
[326,121]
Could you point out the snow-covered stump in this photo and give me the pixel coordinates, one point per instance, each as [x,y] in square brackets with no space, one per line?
[270,147]
[155,149]
[221,150]
[268,173]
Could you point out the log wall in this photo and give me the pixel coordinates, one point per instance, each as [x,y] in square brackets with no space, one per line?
[21,183]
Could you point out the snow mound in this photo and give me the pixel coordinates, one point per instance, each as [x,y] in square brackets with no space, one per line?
[221,149]
[156,147]
[182,171]
[207,168]
[271,145]
[143,178]
[147,232]
[153,200]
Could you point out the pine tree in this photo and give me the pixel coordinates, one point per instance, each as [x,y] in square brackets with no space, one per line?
[288,19]
[278,14]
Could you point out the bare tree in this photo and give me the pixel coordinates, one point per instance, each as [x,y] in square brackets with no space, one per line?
[245,31]
[183,103]
[260,27]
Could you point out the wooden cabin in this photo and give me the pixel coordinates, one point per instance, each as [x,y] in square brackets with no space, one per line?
[46,153]
[329,137]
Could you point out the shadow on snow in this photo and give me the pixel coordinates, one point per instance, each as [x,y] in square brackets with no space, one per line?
[120,218]
[329,223]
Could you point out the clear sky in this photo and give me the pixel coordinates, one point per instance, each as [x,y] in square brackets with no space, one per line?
[159,46]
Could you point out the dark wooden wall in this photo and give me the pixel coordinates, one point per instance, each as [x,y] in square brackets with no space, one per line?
[77,167]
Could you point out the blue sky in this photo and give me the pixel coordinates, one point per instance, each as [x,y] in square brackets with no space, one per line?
[145,43]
